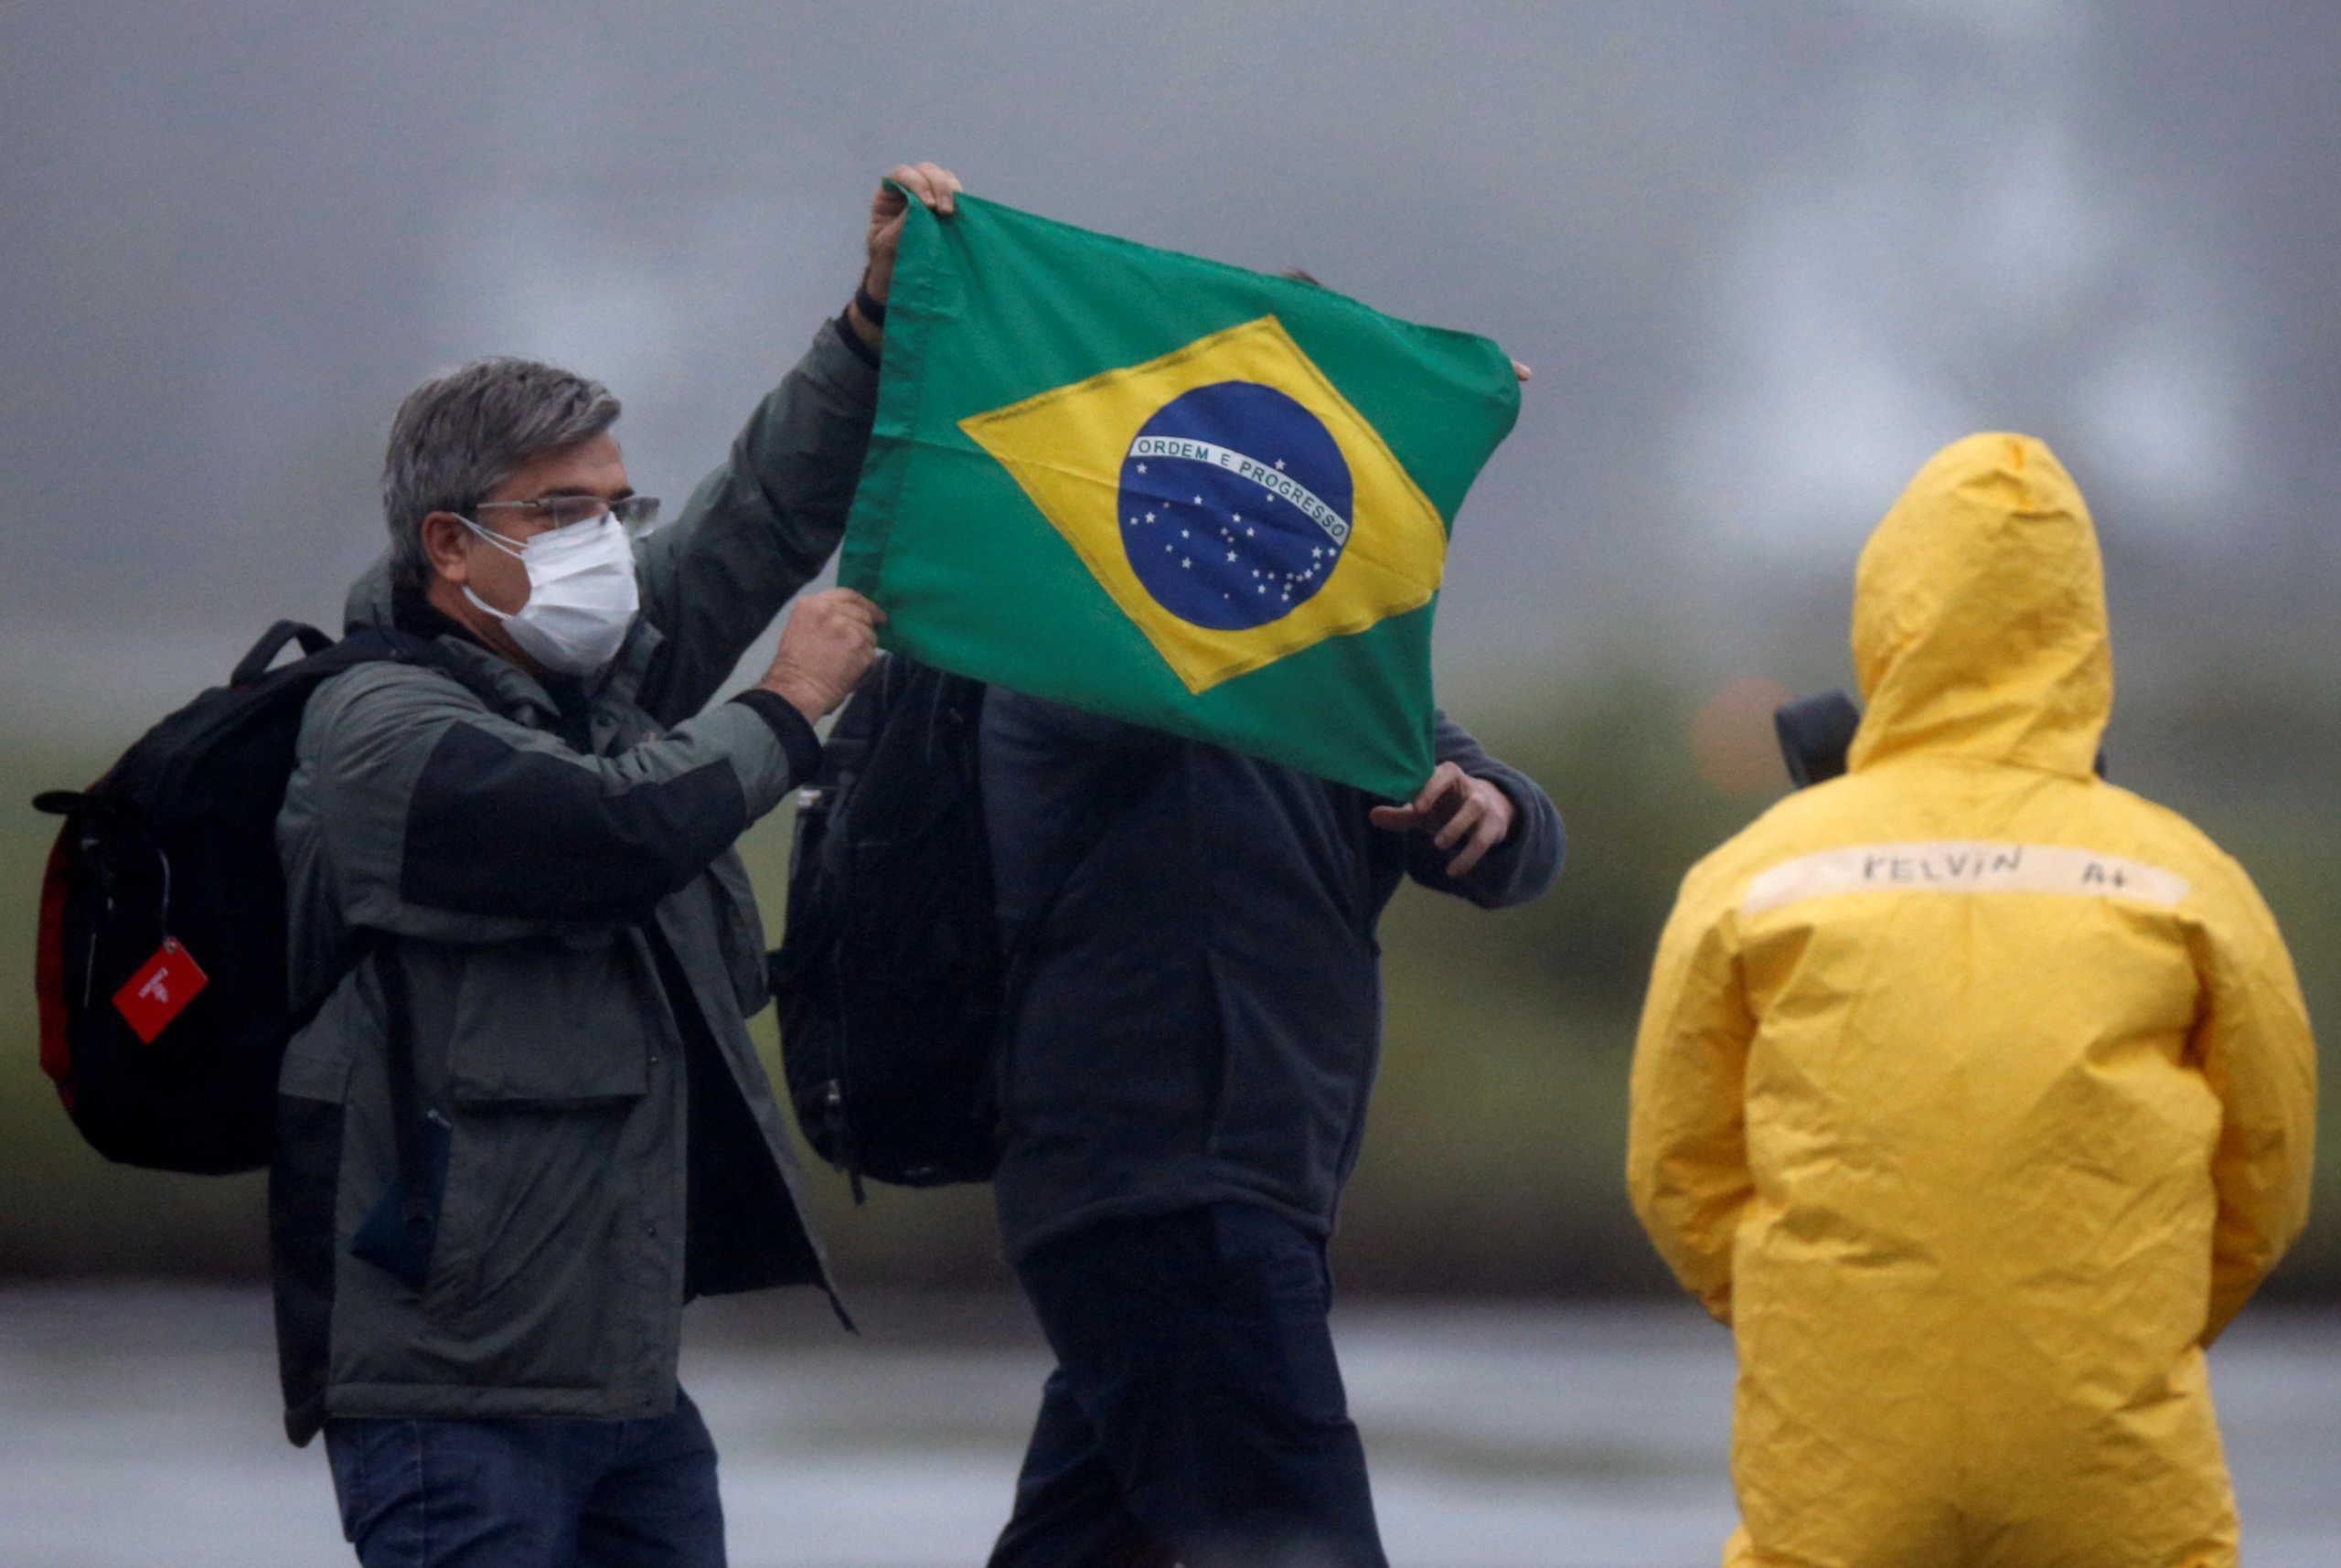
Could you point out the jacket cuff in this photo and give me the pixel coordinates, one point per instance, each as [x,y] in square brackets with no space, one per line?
[1514,871]
[1526,862]
[852,340]
[790,728]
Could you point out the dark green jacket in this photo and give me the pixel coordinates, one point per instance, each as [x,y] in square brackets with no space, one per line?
[552,866]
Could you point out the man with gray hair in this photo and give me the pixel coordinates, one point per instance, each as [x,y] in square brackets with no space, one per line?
[526,1123]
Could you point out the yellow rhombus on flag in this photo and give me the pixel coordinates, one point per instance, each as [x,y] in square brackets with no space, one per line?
[1166,491]
[1230,501]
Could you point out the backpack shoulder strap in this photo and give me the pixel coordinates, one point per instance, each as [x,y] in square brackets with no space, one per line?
[263,653]
[381,644]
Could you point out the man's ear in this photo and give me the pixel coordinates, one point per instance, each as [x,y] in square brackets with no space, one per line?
[443,545]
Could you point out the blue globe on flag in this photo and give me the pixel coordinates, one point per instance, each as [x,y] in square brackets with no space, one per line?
[1235,505]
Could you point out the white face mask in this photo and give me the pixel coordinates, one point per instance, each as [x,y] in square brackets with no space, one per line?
[581,593]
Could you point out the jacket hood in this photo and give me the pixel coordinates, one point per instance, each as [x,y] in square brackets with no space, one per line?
[369,601]
[1979,614]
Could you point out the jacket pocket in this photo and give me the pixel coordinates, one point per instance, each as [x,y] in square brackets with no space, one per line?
[552,1022]
[538,1254]
[1295,1068]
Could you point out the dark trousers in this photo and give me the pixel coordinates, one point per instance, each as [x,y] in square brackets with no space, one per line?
[1196,1414]
[528,1494]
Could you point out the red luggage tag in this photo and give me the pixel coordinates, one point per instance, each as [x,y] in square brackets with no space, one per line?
[161,990]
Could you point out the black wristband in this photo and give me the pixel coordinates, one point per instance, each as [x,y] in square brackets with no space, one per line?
[872,309]
[852,341]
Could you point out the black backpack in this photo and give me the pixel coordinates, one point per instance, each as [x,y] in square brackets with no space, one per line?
[161,961]
[891,979]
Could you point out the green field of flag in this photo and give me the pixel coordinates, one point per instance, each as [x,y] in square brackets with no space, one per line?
[1169,490]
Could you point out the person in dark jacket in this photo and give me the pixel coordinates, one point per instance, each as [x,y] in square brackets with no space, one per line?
[1184,1094]
[526,1123]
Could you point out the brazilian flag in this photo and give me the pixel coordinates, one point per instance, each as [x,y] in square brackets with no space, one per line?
[1168,490]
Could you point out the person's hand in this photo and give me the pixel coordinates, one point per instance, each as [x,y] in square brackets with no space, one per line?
[932,184]
[1453,808]
[831,638]
[1520,372]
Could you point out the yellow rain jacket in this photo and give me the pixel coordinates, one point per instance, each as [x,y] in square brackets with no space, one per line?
[1974,1092]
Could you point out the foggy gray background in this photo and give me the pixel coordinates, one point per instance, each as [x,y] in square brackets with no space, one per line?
[1764,258]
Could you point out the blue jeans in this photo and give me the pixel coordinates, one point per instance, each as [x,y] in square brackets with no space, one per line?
[528,1494]
[1196,1414]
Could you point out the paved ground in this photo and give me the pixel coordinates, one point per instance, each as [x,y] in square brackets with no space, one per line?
[138,1427]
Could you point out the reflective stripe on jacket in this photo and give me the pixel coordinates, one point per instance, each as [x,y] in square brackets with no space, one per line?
[1974,1092]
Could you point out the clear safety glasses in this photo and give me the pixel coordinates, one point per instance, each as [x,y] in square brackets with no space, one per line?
[636,513]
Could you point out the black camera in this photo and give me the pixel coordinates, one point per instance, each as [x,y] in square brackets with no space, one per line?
[1815,733]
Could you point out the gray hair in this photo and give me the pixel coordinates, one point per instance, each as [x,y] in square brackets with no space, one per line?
[456,439]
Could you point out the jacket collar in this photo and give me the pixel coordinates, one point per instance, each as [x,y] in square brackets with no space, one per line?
[372,602]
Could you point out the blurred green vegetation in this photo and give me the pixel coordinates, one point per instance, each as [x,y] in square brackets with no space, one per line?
[1492,1163]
